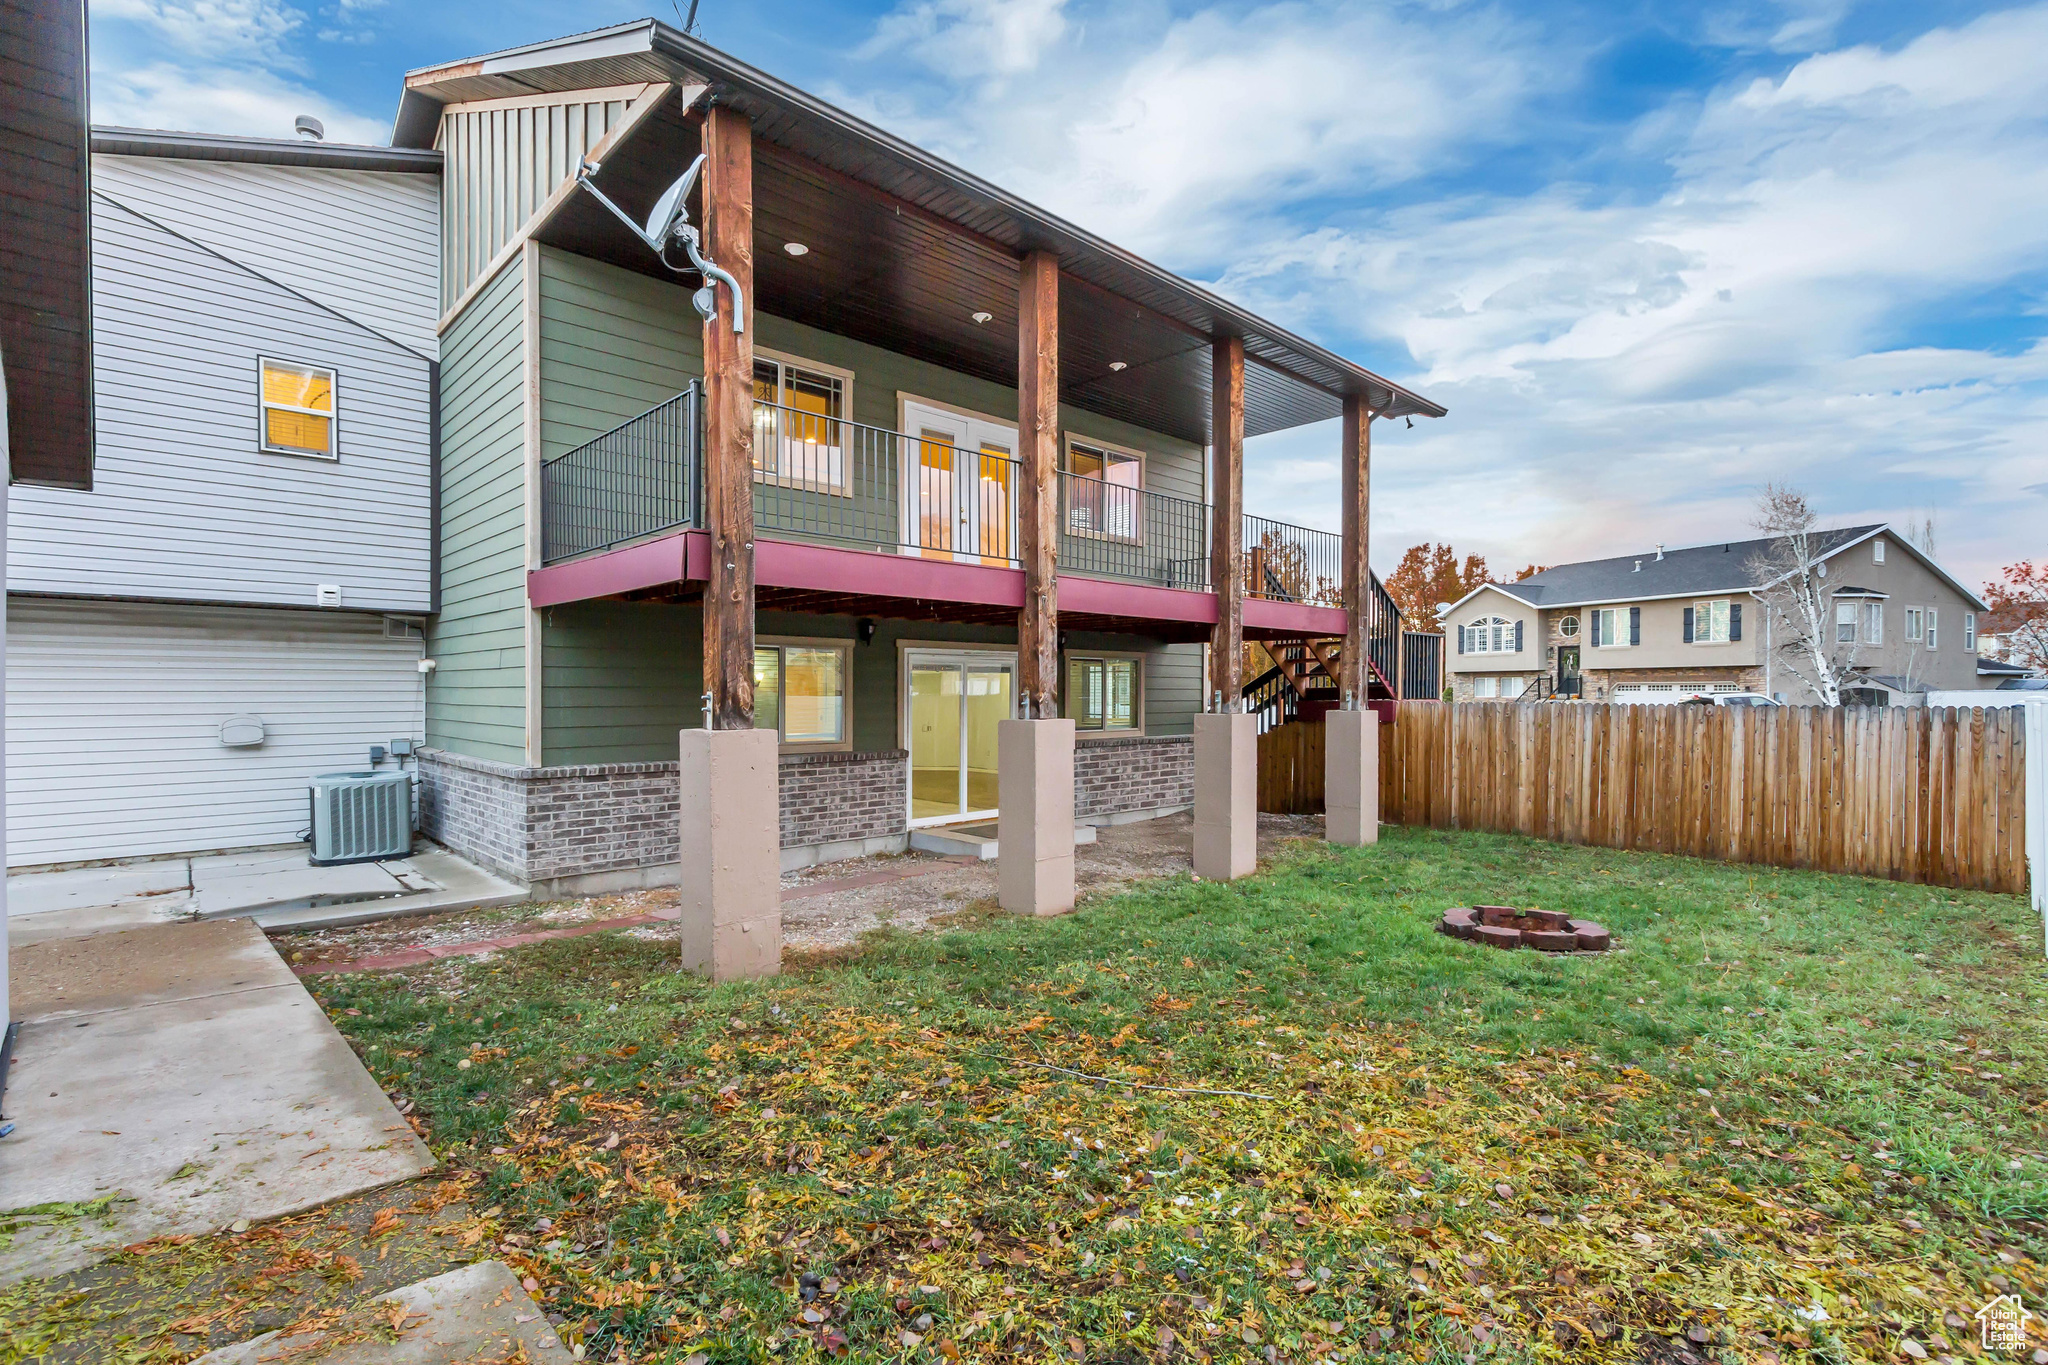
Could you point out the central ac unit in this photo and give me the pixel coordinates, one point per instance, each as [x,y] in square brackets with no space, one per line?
[361,817]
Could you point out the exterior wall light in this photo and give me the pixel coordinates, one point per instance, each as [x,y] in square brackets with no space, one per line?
[983,317]
[1119,365]
[796,248]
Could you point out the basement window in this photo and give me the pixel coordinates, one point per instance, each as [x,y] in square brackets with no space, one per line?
[1102,694]
[800,692]
[296,409]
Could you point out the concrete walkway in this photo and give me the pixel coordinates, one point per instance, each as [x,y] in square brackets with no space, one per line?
[175,1079]
[278,888]
[477,1315]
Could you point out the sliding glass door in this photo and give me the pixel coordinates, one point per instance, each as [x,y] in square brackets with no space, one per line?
[952,702]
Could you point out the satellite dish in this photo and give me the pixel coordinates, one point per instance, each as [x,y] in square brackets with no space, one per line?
[673,203]
[670,221]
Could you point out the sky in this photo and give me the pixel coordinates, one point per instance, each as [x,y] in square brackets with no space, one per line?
[1649,256]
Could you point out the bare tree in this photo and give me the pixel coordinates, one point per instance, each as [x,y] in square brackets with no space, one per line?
[1788,577]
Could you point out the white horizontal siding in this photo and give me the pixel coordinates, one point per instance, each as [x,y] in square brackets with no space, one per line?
[184,505]
[114,712]
[365,243]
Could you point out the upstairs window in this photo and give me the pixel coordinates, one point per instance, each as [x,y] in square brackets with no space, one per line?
[1713,621]
[1102,694]
[1873,623]
[1970,631]
[297,409]
[1845,623]
[1877,552]
[1102,500]
[1930,627]
[1616,626]
[799,428]
[1490,635]
[1913,622]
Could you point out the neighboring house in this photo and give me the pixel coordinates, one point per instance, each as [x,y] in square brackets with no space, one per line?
[1685,621]
[236,602]
[887,288]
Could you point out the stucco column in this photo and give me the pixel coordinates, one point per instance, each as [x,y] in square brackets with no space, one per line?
[1035,816]
[731,878]
[1351,778]
[1226,795]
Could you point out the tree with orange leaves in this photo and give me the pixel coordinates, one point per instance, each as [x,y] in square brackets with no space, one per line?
[1427,575]
[2019,612]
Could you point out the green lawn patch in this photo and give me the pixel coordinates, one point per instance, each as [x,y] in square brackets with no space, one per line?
[1796,1116]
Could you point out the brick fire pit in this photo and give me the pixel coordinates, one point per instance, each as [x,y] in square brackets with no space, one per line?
[1503,926]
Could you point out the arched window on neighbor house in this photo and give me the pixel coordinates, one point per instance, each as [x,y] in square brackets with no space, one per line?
[1490,635]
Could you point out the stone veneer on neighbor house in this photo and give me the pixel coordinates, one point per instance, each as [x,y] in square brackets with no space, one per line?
[614,825]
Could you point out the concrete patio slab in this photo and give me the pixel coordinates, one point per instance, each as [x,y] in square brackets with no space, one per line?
[182,1072]
[475,1314]
[278,888]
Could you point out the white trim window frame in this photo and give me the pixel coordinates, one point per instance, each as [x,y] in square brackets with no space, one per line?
[1489,635]
[814,457]
[1873,623]
[1970,632]
[1568,626]
[265,405]
[1610,627]
[1914,619]
[781,647]
[1135,704]
[1933,615]
[1710,621]
[1099,507]
[1845,622]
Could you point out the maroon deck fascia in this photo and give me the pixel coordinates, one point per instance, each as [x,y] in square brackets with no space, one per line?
[685,557]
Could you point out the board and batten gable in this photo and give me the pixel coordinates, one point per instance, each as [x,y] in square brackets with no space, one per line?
[365,243]
[501,161]
[185,504]
[476,696]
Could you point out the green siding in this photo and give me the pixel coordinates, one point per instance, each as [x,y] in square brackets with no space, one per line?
[476,696]
[619,679]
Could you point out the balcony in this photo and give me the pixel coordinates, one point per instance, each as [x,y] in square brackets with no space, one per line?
[932,510]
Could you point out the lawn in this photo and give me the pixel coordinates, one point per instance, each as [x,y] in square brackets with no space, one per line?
[1796,1117]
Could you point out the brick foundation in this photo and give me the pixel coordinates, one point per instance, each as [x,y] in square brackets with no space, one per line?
[1133,775]
[614,825]
[562,826]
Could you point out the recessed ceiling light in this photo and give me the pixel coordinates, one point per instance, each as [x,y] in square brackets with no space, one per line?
[1118,365]
[983,317]
[796,248]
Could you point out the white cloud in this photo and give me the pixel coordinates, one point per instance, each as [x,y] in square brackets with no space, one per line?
[213,30]
[971,38]
[248,101]
[1624,373]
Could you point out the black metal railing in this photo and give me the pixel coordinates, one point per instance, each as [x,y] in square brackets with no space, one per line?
[1122,532]
[1422,666]
[835,479]
[1287,563]
[641,477]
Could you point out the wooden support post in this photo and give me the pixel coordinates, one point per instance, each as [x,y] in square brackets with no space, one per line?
[729,424]
[1038,439]
[1226,530]
[1356,462]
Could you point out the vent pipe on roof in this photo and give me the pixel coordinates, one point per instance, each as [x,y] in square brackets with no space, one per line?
[1660,549]
[1638,568]
[305,125]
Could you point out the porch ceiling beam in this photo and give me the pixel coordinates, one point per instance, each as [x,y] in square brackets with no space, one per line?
[1226,527]
[1356,469]
[1038,439]
[729,425]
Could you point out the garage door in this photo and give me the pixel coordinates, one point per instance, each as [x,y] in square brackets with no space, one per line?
[114,716]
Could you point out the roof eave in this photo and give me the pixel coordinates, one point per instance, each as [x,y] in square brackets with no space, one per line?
[417,124]
[337,156]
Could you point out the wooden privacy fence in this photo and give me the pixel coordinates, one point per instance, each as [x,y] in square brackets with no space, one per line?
[1906,792]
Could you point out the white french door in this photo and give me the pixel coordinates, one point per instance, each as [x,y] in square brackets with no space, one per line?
[959,481]
[952,701]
